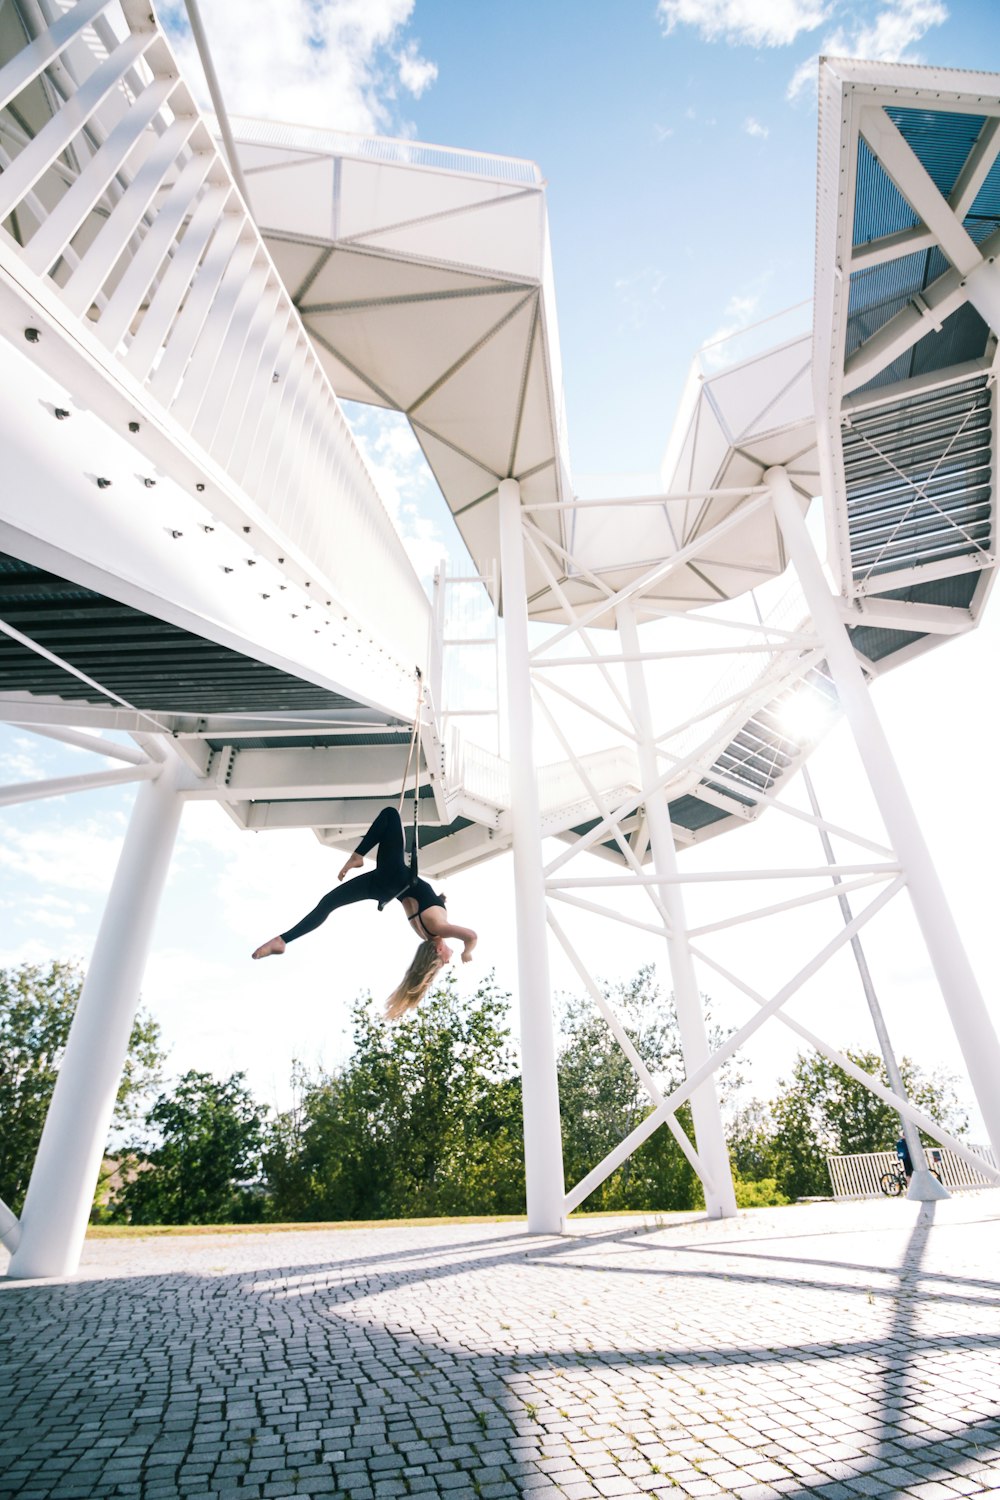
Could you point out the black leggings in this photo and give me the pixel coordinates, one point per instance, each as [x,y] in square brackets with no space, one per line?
[390,876]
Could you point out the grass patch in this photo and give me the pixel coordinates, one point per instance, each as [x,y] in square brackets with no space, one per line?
[145,1231]
[156,1231]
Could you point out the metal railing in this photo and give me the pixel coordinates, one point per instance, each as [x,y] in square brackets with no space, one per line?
[116,201]
[561,785]
[378,148]
[860,1176]
[479,772]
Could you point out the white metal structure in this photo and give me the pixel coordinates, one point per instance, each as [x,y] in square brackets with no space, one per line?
[190,538]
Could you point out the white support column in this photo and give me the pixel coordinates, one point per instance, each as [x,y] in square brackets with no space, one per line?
[543,1163]
[61,1190]
[720,1196]
[969,1016]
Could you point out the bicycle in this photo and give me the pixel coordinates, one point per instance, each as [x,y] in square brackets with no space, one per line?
[894,1184]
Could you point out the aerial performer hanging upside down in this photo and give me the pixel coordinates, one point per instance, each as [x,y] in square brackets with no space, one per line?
[391,879]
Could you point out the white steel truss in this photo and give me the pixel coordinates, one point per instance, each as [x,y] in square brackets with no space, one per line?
[774,663]
[190,324]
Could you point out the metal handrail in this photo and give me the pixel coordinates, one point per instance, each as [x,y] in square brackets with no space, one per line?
[387,149]
[151,259]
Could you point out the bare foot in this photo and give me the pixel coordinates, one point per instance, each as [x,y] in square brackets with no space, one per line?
[276,945]
[354,863]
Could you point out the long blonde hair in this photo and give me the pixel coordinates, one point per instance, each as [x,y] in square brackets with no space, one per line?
[416,981]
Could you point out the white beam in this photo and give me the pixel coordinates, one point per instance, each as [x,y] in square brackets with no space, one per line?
[720,1196]
[782,906]
[61,1190]
[898,578]
[976,169]
[895,614]
[563,505]
[45,49]
[94,742]
[899,1102]
[919,189]
[341,771]
[920,316]
[542,1128]
[961,992]
[890,247]
[625,1042]
[732,1044]
[919,385]
[696,877]
[657,574]
[61,786]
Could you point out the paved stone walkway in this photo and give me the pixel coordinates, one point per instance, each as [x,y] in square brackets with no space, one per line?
[829,1350]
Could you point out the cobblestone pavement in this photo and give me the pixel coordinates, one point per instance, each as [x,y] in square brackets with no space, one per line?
[829,1350]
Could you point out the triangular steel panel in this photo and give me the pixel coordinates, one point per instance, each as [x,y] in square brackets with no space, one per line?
[504,237]
[745,394]
[403,348]
[460,480]
[377,195]
[792,407]
[255,158]
[711,447]
[298,197]
[794,448]
[294,260]
[366,276]
[481,534]
[476,409]
[536,440]
[347,383]
[680,480]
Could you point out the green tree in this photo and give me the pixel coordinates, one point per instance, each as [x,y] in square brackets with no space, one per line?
[37,1003]
[750,1137]
[601,1099]
[423,1119]
[211,1133]
[823,1112]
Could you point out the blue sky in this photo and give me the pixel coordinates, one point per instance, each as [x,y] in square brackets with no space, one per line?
[679,146]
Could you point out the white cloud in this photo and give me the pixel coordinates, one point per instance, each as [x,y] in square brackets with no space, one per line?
[415,72]
[333,63]
[897,26]
[888,37]
[79,855]
[775,23]
[21,766]
[62,920]
[753,127]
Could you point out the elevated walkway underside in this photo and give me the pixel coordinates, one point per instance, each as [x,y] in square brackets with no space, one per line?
[189,535]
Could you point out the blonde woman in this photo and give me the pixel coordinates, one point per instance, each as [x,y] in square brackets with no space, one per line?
[391,879]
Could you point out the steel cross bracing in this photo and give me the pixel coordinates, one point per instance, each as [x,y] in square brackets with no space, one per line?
[738,771]
[907,313]
[181,488]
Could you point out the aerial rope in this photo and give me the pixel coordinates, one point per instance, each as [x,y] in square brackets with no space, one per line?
[415,759]
[393,879]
